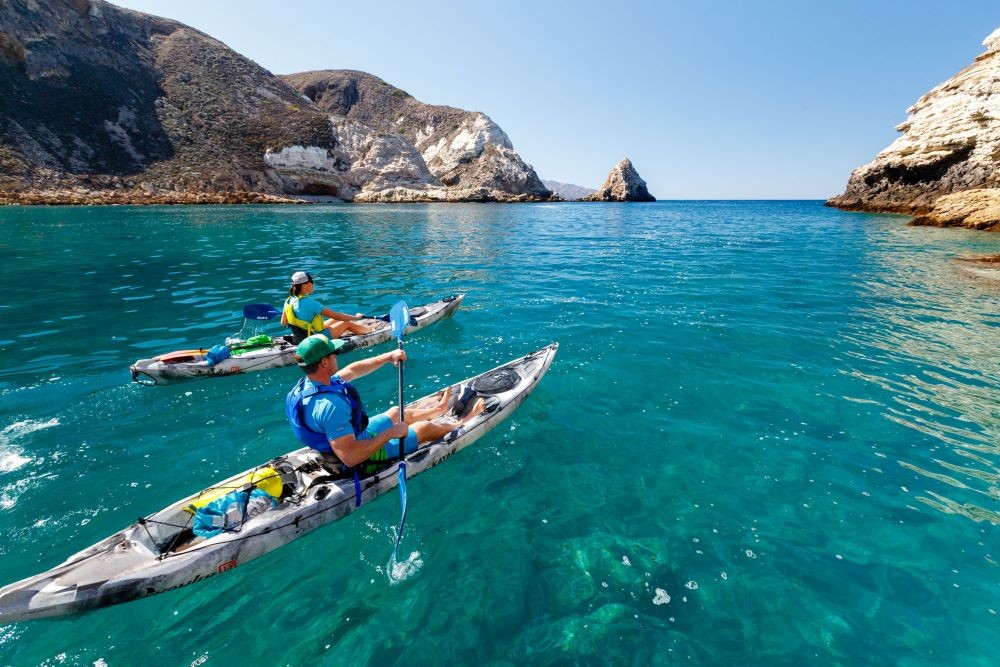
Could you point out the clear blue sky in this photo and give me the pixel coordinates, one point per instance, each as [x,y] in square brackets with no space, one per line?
[726,99]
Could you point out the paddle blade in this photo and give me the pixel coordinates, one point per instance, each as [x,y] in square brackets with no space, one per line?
[399,317]
[260,311]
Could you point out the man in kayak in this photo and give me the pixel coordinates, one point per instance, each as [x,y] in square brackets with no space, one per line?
[327,414]
[304,314]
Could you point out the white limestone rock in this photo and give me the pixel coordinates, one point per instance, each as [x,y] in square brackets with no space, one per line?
[448,156]
[462,149]
[949,143]
[363,160]
[377,161]
[310,170]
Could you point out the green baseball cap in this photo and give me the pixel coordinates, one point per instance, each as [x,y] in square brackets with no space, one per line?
[317,347]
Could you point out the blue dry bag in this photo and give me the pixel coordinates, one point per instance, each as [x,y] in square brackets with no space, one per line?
[217,354]
[231,511]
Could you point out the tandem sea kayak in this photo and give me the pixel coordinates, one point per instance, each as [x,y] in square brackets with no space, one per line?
[303,491]
[183,365]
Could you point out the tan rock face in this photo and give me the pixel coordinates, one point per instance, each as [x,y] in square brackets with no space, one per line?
[976,209]
[622,184]
[949,143]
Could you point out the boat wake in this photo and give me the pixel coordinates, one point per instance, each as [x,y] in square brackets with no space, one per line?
[11,456]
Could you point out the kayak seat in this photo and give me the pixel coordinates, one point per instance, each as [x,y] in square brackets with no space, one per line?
[460,401]
[297,336]
[318,471]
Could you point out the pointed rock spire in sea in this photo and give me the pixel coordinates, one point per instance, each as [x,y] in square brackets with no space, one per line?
[622,184]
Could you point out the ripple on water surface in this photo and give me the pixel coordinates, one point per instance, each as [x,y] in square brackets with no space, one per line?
[770,435]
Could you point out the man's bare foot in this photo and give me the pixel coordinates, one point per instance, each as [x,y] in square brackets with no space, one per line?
[429,408]
[473,412]
[442,404]
[476,410]
[432,401]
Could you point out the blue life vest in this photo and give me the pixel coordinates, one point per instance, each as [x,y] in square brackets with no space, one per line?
[295,410]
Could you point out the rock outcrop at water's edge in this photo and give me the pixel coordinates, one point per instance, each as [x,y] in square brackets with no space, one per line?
[622,184]
[975,209]
[102,104]
[944,166]
[462,150]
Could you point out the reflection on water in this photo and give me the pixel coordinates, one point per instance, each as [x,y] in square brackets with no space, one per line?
[928,336]
[760,443]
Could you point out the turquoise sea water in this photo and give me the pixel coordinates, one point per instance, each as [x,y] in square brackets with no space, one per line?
[771,435]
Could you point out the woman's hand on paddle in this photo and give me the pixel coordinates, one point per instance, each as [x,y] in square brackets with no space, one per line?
[396,356]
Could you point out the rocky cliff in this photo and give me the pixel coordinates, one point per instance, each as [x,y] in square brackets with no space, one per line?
[95,97]
[949,145]
[622,184]
[104,104]
[463,150]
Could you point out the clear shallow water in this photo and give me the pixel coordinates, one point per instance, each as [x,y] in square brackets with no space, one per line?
[770,435]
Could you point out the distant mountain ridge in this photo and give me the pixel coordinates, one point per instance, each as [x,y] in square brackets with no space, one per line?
[97,99]
[568,191]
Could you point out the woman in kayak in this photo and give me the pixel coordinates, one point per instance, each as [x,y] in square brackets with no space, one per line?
[304,314]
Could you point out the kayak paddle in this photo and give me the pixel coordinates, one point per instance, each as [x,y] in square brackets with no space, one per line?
[399,317]
[260,311]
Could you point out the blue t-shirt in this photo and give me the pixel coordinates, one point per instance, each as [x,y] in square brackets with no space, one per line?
[307,308]
[326,413]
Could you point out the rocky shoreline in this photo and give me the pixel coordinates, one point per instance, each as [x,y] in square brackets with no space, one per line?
[137,198]
[623,184]
[974,209]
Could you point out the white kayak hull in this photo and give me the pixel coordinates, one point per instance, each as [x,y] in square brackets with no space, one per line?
[159,553]
[184,365]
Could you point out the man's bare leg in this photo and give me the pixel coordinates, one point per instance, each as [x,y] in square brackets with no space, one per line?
[428,430]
